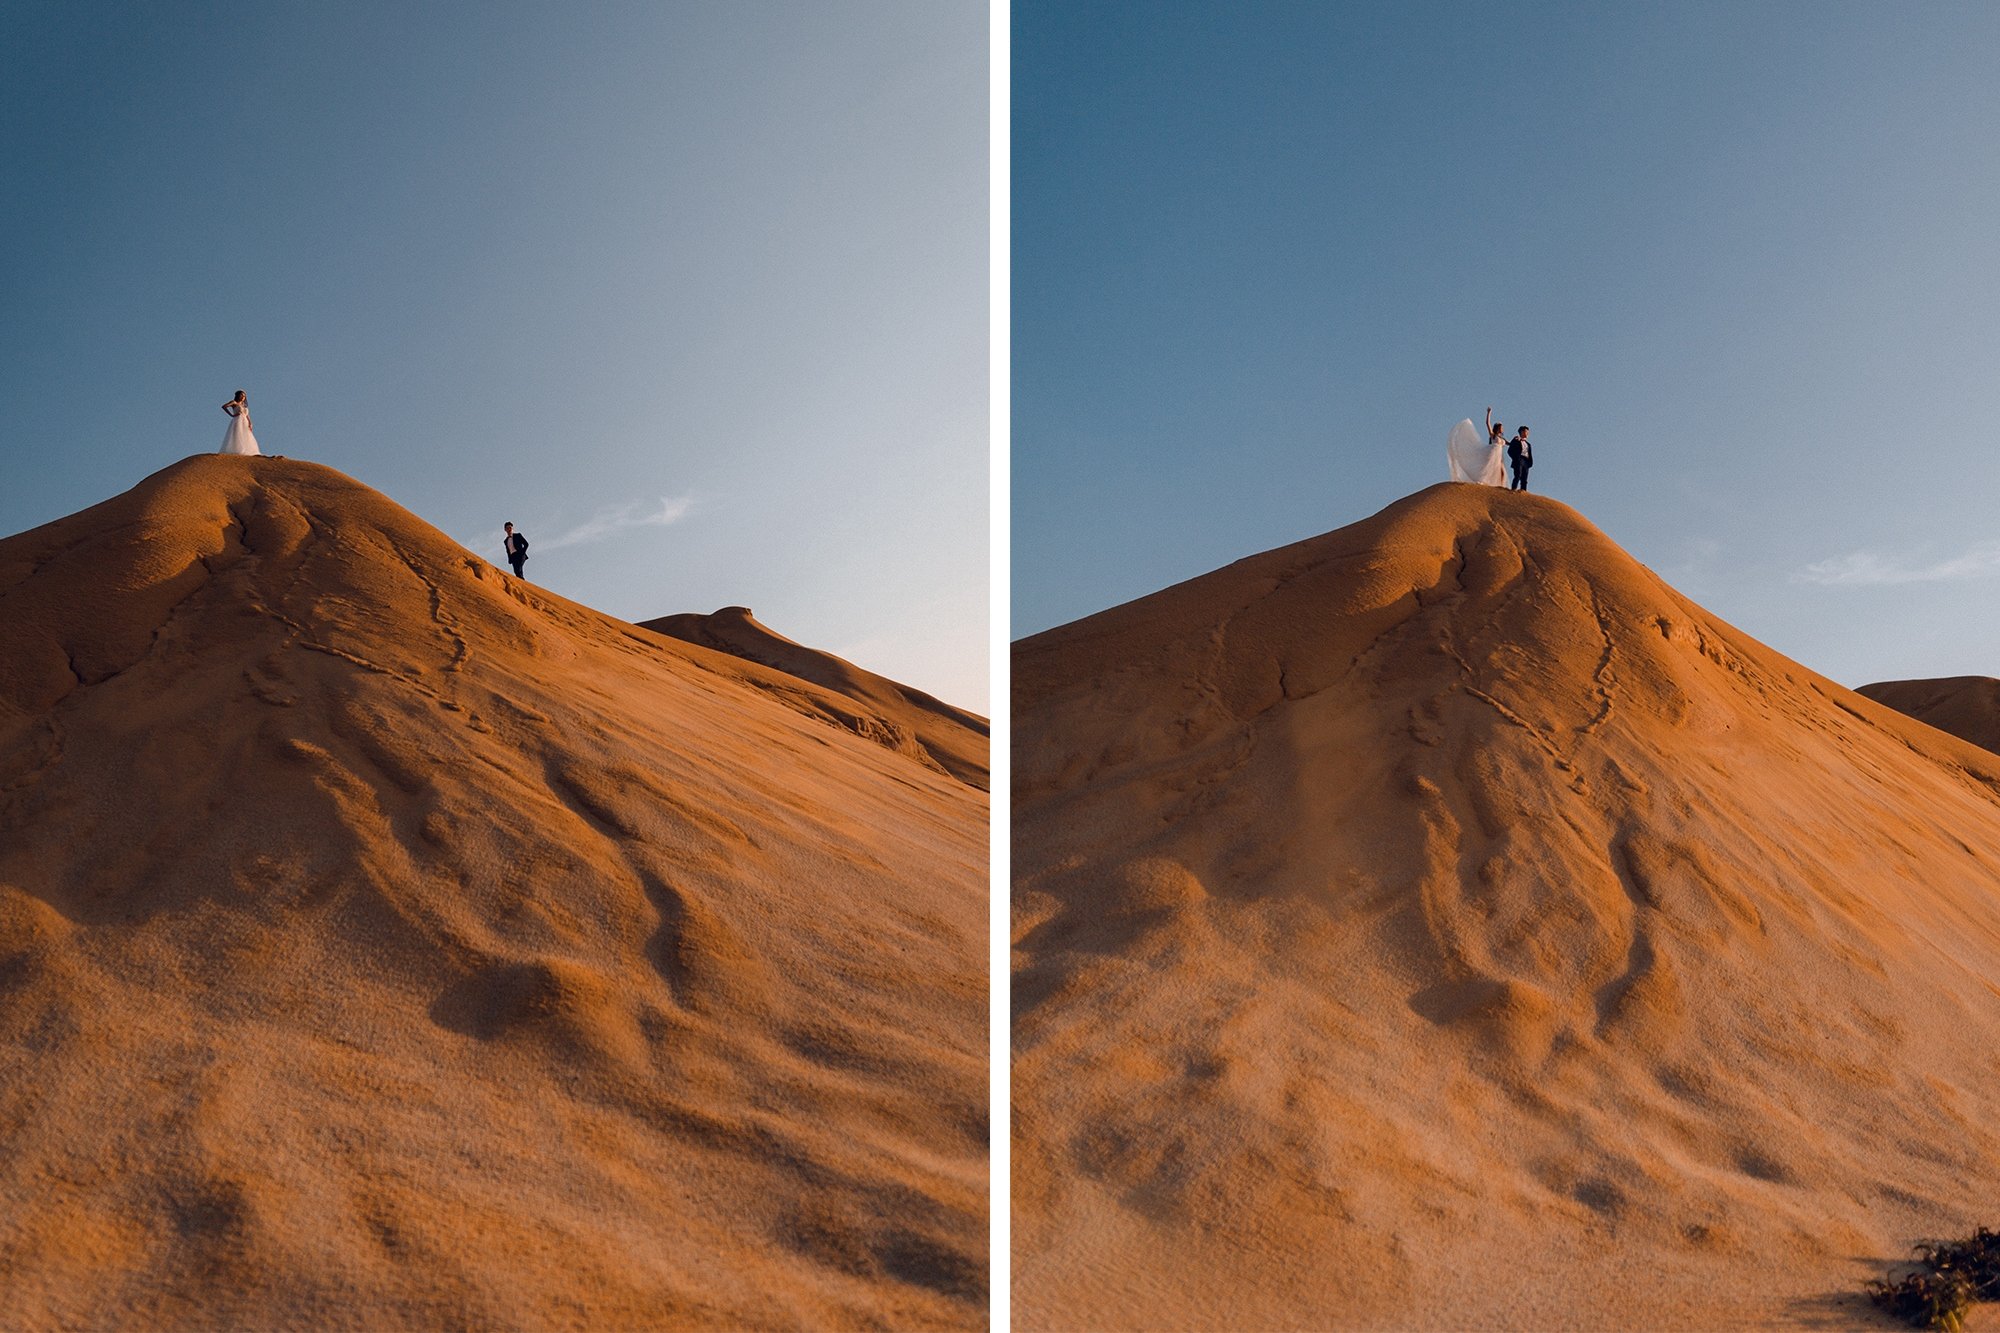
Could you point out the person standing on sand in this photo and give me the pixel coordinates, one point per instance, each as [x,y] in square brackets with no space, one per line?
[237,439]
[1521,457]
[517,550]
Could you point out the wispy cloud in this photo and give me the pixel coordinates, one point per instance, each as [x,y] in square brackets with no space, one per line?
[617,518]
[1875,569]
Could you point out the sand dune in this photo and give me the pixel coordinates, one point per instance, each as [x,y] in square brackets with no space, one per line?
[389,943]
[1441,923]
[1966,706]
[906,720]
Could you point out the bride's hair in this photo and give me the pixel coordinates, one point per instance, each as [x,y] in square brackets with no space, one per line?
[239,395]
[1498,429]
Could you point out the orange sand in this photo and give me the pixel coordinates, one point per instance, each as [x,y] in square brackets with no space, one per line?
[1441,923]
[909,721]
[389,943]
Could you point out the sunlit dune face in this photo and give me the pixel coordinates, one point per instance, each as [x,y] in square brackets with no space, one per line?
[385,940]
[1443,923]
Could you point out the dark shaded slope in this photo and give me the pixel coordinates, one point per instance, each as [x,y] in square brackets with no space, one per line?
[1966,706]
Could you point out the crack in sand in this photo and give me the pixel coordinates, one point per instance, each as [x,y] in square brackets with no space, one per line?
[1391,631]
[273,565]
[1542,737]
[302,637]
[1600,677]
[1469,676]
[461,651]
[35,567]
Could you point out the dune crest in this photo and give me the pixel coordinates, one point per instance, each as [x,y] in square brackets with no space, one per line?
[1443,923]
[908,721]
[386,942]
[1966,706]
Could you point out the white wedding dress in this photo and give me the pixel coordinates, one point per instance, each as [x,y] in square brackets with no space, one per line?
[238,439]
[1473,457]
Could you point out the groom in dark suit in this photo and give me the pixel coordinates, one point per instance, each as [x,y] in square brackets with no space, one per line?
[1521,456]
[517,550]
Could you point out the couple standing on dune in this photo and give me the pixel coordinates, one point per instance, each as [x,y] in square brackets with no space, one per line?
[238,439]
[1478,461]
[1520,454]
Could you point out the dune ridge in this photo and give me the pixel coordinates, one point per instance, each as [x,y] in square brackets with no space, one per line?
[909,721]
[1442,923]
[386,942]
[1966,706]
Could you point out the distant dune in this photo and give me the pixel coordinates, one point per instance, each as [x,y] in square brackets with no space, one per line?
[389,943]
[1442,923]
[906,720]
[1966,706]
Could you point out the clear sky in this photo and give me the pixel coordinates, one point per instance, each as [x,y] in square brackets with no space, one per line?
[1736,264]
[693,291]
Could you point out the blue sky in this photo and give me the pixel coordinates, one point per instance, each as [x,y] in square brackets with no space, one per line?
[695,293]
[1733,262]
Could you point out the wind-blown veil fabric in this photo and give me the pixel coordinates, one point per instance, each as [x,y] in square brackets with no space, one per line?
[238,439]
[1474,458]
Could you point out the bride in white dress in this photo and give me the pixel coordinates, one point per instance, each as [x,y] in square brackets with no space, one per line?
[238,439]
[1477,460]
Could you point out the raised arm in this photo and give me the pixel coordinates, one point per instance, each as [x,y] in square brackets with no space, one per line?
[1489,421]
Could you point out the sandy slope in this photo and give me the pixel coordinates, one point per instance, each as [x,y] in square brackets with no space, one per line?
[385,942]
[906,720]
[1441,923]
[1966,706]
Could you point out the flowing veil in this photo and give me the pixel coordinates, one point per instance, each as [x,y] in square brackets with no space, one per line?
[1474,458]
